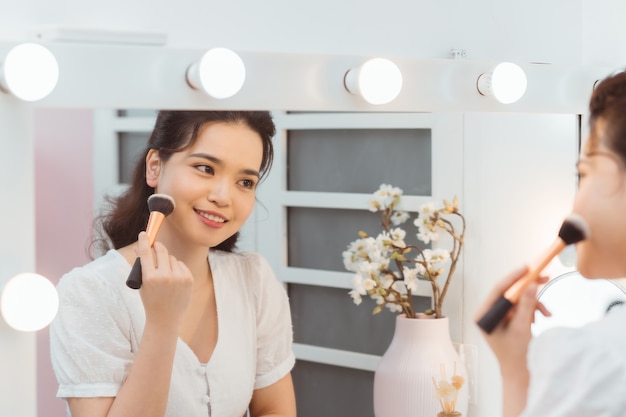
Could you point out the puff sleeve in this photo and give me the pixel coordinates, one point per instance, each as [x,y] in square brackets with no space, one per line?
[575,373]
[275,356]
[90,339]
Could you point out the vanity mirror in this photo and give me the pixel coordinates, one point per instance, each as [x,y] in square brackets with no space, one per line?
[308,93]
[575,301]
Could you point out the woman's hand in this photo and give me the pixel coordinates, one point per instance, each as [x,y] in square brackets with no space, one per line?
[166,286]
[509,340]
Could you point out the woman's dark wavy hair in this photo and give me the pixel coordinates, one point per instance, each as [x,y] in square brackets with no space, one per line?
[174,131]
[608,103]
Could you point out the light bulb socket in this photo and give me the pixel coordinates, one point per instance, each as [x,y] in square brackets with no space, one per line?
[483,85]
[192,76]
[3,81]
[351,81]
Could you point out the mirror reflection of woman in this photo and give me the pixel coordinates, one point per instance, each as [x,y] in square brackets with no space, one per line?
[209,331]
[576,371]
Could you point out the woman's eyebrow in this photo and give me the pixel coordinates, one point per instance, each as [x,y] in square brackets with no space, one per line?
[219,162]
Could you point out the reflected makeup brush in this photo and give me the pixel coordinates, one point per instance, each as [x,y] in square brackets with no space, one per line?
[161,206]
[574,229]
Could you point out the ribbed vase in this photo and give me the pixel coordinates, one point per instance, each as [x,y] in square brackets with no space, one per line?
[403,381]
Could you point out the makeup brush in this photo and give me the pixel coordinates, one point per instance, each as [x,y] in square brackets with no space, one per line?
[161,206]
[573,230]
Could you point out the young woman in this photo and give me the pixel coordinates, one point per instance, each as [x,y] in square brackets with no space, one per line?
[577,372]
[209,331]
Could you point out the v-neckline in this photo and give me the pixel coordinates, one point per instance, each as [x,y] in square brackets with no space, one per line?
[213,265]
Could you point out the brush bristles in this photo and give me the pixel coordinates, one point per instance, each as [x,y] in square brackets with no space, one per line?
[574,229]
[162,203]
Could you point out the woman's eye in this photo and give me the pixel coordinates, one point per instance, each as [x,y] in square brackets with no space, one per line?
[248,183]
[207,169]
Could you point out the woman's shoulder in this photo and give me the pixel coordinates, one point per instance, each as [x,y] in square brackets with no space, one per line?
[245,269]
[560,358]
[600,339]
[100,271]
[245,260]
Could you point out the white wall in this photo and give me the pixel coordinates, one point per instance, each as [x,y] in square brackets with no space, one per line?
[519,183]
[603,32]
[531,31]
[17,252]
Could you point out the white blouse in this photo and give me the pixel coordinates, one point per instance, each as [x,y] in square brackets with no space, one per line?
[94,338]
[579,372]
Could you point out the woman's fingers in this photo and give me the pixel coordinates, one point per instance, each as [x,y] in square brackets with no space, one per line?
[167,284]
[527,305]
[499,289]
[543,310]
[156,258]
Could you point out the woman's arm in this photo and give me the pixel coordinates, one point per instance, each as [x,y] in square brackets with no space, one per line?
[509,342]
[276,400]
[145,391]
[165,293]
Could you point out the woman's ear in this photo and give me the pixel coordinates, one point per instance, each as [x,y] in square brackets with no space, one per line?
[153,168]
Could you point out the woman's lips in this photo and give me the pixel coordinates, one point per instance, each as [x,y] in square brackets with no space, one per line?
[211,218]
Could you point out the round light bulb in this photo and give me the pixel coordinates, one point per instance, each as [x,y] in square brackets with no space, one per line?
[378,81]
[29,302]
[30,72]
[220,73]
[506,83]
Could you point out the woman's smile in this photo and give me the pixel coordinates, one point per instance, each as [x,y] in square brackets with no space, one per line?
[211,219]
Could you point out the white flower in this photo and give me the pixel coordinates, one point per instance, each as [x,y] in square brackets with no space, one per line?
[399,286]
[435,256]
[391,240]
[356,296]
[427,231]
[440,255]
[399,217]
[426,211]
[382,269]
[394,308]
[386,196]
[369,284]
[410,278]
[397,236]
[378,298]
[433,260]
[373,249]
[358,285]
[426,235]
[386,281]
[349,261]
[374,206]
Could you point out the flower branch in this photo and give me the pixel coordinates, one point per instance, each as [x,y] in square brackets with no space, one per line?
[388,270]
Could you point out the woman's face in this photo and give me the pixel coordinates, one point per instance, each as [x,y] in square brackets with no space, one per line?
[213,184]
[601,201]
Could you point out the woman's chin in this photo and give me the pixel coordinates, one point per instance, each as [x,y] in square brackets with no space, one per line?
[598,270]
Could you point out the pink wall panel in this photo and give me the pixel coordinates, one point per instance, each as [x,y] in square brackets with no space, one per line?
[64,206]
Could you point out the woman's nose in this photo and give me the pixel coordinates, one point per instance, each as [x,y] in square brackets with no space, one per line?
[219,193]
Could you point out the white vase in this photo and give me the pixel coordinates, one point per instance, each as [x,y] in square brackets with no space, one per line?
[403,381]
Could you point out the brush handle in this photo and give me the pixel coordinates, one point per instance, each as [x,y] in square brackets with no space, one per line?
[495,314]
[134,278]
